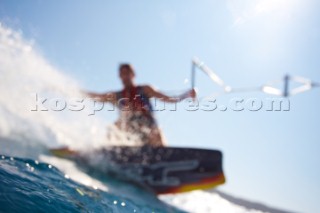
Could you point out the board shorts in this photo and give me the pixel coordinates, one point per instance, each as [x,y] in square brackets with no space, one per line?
[140,124]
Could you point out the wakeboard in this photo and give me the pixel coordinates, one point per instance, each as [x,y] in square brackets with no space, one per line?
[163,169]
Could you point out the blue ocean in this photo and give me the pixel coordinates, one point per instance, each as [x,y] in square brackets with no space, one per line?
[30,186]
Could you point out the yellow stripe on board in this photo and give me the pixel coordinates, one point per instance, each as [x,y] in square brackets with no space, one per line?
[200,186]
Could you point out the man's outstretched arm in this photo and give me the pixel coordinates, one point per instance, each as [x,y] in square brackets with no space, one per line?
[153,93]
[103,97]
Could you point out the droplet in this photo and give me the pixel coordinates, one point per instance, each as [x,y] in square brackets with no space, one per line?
[115,202]
[11,158]
[36,162]
[50,166]
[66,176]
[123,204]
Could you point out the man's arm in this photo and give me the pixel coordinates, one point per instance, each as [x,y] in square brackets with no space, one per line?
[110,97]
[153,93]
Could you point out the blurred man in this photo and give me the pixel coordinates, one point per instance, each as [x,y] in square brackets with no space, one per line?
[136,113]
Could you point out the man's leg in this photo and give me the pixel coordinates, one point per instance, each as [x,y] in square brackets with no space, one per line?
[156,137]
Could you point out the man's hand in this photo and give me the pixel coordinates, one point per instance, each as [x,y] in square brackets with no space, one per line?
[193,93]
[190,94]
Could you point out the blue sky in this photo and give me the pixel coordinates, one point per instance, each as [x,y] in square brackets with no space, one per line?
[272,157]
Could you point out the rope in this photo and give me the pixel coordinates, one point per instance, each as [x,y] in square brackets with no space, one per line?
[306,84]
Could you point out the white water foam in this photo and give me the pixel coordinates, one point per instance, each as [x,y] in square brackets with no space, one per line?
[202,201]
[25,73]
